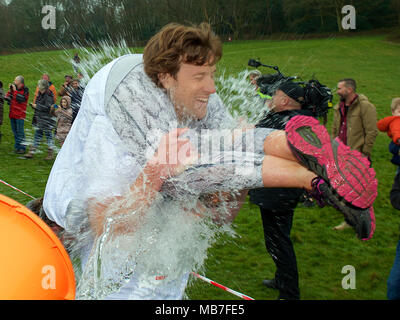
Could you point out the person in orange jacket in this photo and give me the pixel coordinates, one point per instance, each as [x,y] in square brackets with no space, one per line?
[391,125]
[52,88]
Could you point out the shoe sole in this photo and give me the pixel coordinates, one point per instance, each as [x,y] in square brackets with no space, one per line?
[361,220]
[345,170]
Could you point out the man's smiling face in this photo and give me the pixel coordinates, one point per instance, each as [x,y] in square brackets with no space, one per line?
[190,89]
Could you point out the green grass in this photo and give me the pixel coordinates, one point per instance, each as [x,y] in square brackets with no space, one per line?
[242,262]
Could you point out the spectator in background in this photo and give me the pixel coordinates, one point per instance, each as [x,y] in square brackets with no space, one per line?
[76,94]
[43,121]
[66,87]
[253,76]
[18,96]
[52,88]
[76,62]
[1,106]
[354,122]
[393,282]
[391,125]
[64,118]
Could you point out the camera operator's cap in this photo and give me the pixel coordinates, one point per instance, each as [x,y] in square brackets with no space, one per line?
[293,90]
[68,76]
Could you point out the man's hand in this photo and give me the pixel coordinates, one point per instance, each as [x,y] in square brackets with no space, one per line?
[174,154]
[214,201]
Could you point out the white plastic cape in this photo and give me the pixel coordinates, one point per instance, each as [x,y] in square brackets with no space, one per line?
[119,125]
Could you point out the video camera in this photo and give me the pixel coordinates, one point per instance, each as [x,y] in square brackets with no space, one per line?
[317,97]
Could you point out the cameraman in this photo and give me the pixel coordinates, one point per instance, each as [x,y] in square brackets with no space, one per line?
[277,204]
[17,97]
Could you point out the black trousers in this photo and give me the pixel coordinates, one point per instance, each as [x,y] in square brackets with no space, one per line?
[277,227]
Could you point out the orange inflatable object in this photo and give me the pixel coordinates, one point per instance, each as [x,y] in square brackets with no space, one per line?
[33,262]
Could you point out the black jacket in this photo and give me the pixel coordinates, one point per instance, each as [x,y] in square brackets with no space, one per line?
[278,199]
[42,119]
[395,193]
[76,100]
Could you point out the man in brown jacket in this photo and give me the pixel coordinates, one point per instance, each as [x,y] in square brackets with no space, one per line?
[354,121]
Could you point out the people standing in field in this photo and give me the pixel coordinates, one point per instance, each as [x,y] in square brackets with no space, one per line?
[43,121]
[1,107]
[64,114]
[354,122]
[52,88]
[391,125]
[17,97]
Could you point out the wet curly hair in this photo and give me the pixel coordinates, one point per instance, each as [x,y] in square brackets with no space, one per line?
[175,44]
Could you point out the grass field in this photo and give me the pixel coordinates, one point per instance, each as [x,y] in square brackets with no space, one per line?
[242,262]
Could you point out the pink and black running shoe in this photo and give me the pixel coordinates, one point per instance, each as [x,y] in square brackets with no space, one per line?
[346,172]
[362,220]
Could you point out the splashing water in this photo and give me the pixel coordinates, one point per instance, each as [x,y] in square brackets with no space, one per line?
[94,57]
[168,239]
[239,96]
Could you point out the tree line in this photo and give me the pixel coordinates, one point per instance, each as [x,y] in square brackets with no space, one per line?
[82,21]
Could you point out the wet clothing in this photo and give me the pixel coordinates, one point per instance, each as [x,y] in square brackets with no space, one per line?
[393,282]
[277,227]
[122,118]
[277,208]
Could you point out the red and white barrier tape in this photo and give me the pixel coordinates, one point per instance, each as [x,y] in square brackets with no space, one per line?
[9,185]
[238,294]
[216,284]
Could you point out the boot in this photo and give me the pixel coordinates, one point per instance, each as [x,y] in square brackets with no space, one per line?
[50,154]
[30,153]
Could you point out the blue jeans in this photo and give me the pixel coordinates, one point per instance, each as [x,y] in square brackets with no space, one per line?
[393,283]
[17,127]
[39,135]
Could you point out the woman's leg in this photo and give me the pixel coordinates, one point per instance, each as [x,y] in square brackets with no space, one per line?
[276,145]
[345,179]
[282,173]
